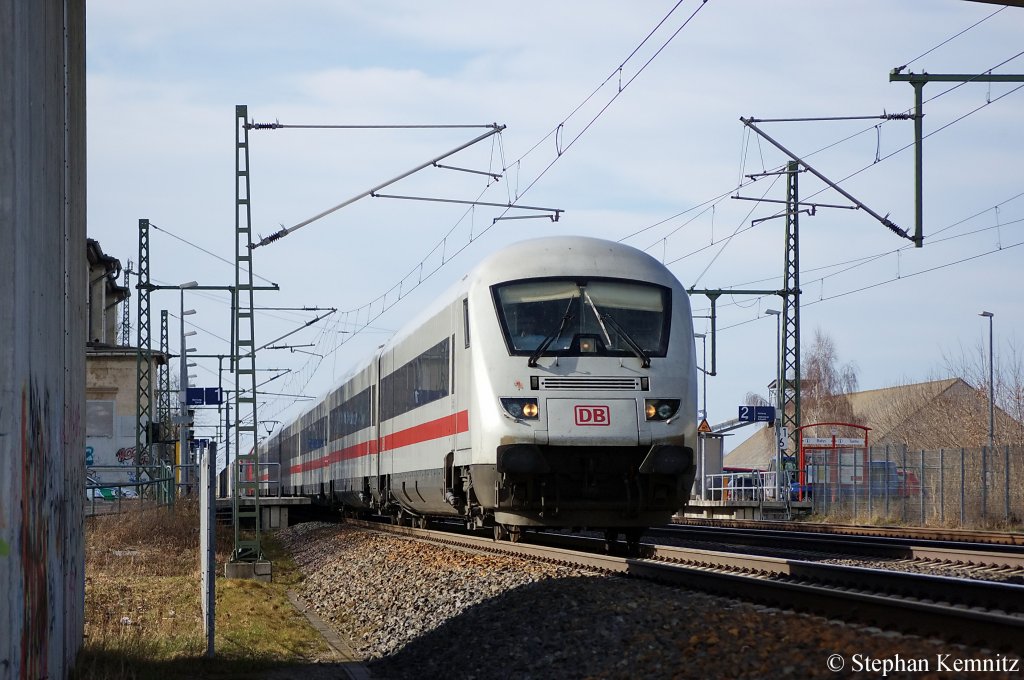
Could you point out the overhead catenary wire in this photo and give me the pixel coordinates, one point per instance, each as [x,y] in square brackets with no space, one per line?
[856,134]
[284,126]
[448,249]
[495,129]
[560,150]
[949,40]
[204,250]
[855,263]
[398,291]
[385,306]
[875,256]
[877,284]
[615,73]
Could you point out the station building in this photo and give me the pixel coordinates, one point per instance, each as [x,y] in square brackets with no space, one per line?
[111,373]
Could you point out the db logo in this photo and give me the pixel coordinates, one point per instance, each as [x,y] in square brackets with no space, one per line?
[593,415]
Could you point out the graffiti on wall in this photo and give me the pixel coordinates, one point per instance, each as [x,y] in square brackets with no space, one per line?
[126,454]
[35,539]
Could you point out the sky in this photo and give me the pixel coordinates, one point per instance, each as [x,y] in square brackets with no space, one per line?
[623,116]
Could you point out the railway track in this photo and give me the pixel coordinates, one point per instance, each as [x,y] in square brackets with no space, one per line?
[977,559]
[957,610]
[1009,538]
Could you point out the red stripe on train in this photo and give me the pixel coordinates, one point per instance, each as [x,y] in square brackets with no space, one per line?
[417,434]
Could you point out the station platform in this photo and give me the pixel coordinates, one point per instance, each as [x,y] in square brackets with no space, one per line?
[273,509]
[744,509]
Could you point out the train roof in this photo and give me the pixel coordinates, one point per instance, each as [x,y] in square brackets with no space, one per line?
[549,256]
[569,256]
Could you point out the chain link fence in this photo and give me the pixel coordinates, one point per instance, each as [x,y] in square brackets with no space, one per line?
[972,488]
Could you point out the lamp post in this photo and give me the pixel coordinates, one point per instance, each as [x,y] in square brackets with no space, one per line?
[991,385]
[703,369]
[183,452]
[701,437]
[779,392]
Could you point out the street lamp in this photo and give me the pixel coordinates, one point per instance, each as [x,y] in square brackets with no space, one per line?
[991,385]
[778,357]
[704,415]
[703,369]
[778,399]
[183,373]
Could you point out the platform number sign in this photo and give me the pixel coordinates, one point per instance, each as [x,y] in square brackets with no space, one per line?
[783,435]
[757,414]
[203,396]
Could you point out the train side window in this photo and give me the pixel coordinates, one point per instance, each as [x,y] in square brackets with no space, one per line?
[420,381]
[465,320]
[314,435]
[352,415]
[373,405]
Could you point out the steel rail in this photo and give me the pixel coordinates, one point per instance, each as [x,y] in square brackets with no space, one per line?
[860,546]
[910,533]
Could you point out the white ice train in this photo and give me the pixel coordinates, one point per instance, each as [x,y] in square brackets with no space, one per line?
[554,386]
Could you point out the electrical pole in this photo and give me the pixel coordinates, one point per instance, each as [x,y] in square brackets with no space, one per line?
[143,360]
[791,306]
[246,550]
[126,314]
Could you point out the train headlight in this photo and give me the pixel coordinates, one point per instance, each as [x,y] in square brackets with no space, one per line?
[520,408]
[661,409]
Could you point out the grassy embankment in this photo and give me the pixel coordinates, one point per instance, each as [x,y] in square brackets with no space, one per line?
[142,604]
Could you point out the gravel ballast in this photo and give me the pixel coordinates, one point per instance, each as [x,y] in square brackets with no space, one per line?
[414,610]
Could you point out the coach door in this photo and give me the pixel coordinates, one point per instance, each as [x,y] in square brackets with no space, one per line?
[379,456]
[460,377]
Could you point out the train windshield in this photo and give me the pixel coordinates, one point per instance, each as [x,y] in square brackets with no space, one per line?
[573,317]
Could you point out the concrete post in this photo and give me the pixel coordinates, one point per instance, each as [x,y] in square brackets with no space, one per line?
[42,368]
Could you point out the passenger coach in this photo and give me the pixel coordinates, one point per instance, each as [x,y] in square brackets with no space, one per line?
[555,386]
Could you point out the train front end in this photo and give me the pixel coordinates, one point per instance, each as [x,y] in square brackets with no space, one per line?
[586,388]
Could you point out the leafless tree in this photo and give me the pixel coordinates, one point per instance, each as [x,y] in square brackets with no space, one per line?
[1007,386]
[825,383]
[755,399]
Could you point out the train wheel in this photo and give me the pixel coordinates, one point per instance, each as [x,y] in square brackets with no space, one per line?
[515,533]
[423,522]
[633,537]
[611,538]
[500,532]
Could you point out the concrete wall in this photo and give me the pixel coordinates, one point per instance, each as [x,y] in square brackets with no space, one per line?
[42,335]
[111,377]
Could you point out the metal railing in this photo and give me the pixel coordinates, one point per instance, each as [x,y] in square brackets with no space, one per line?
[268,483]
[109,488]
[756,485]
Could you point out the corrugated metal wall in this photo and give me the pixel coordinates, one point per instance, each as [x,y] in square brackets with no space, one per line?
[42,335]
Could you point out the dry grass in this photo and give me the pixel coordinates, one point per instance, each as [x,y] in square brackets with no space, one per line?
[142,604]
